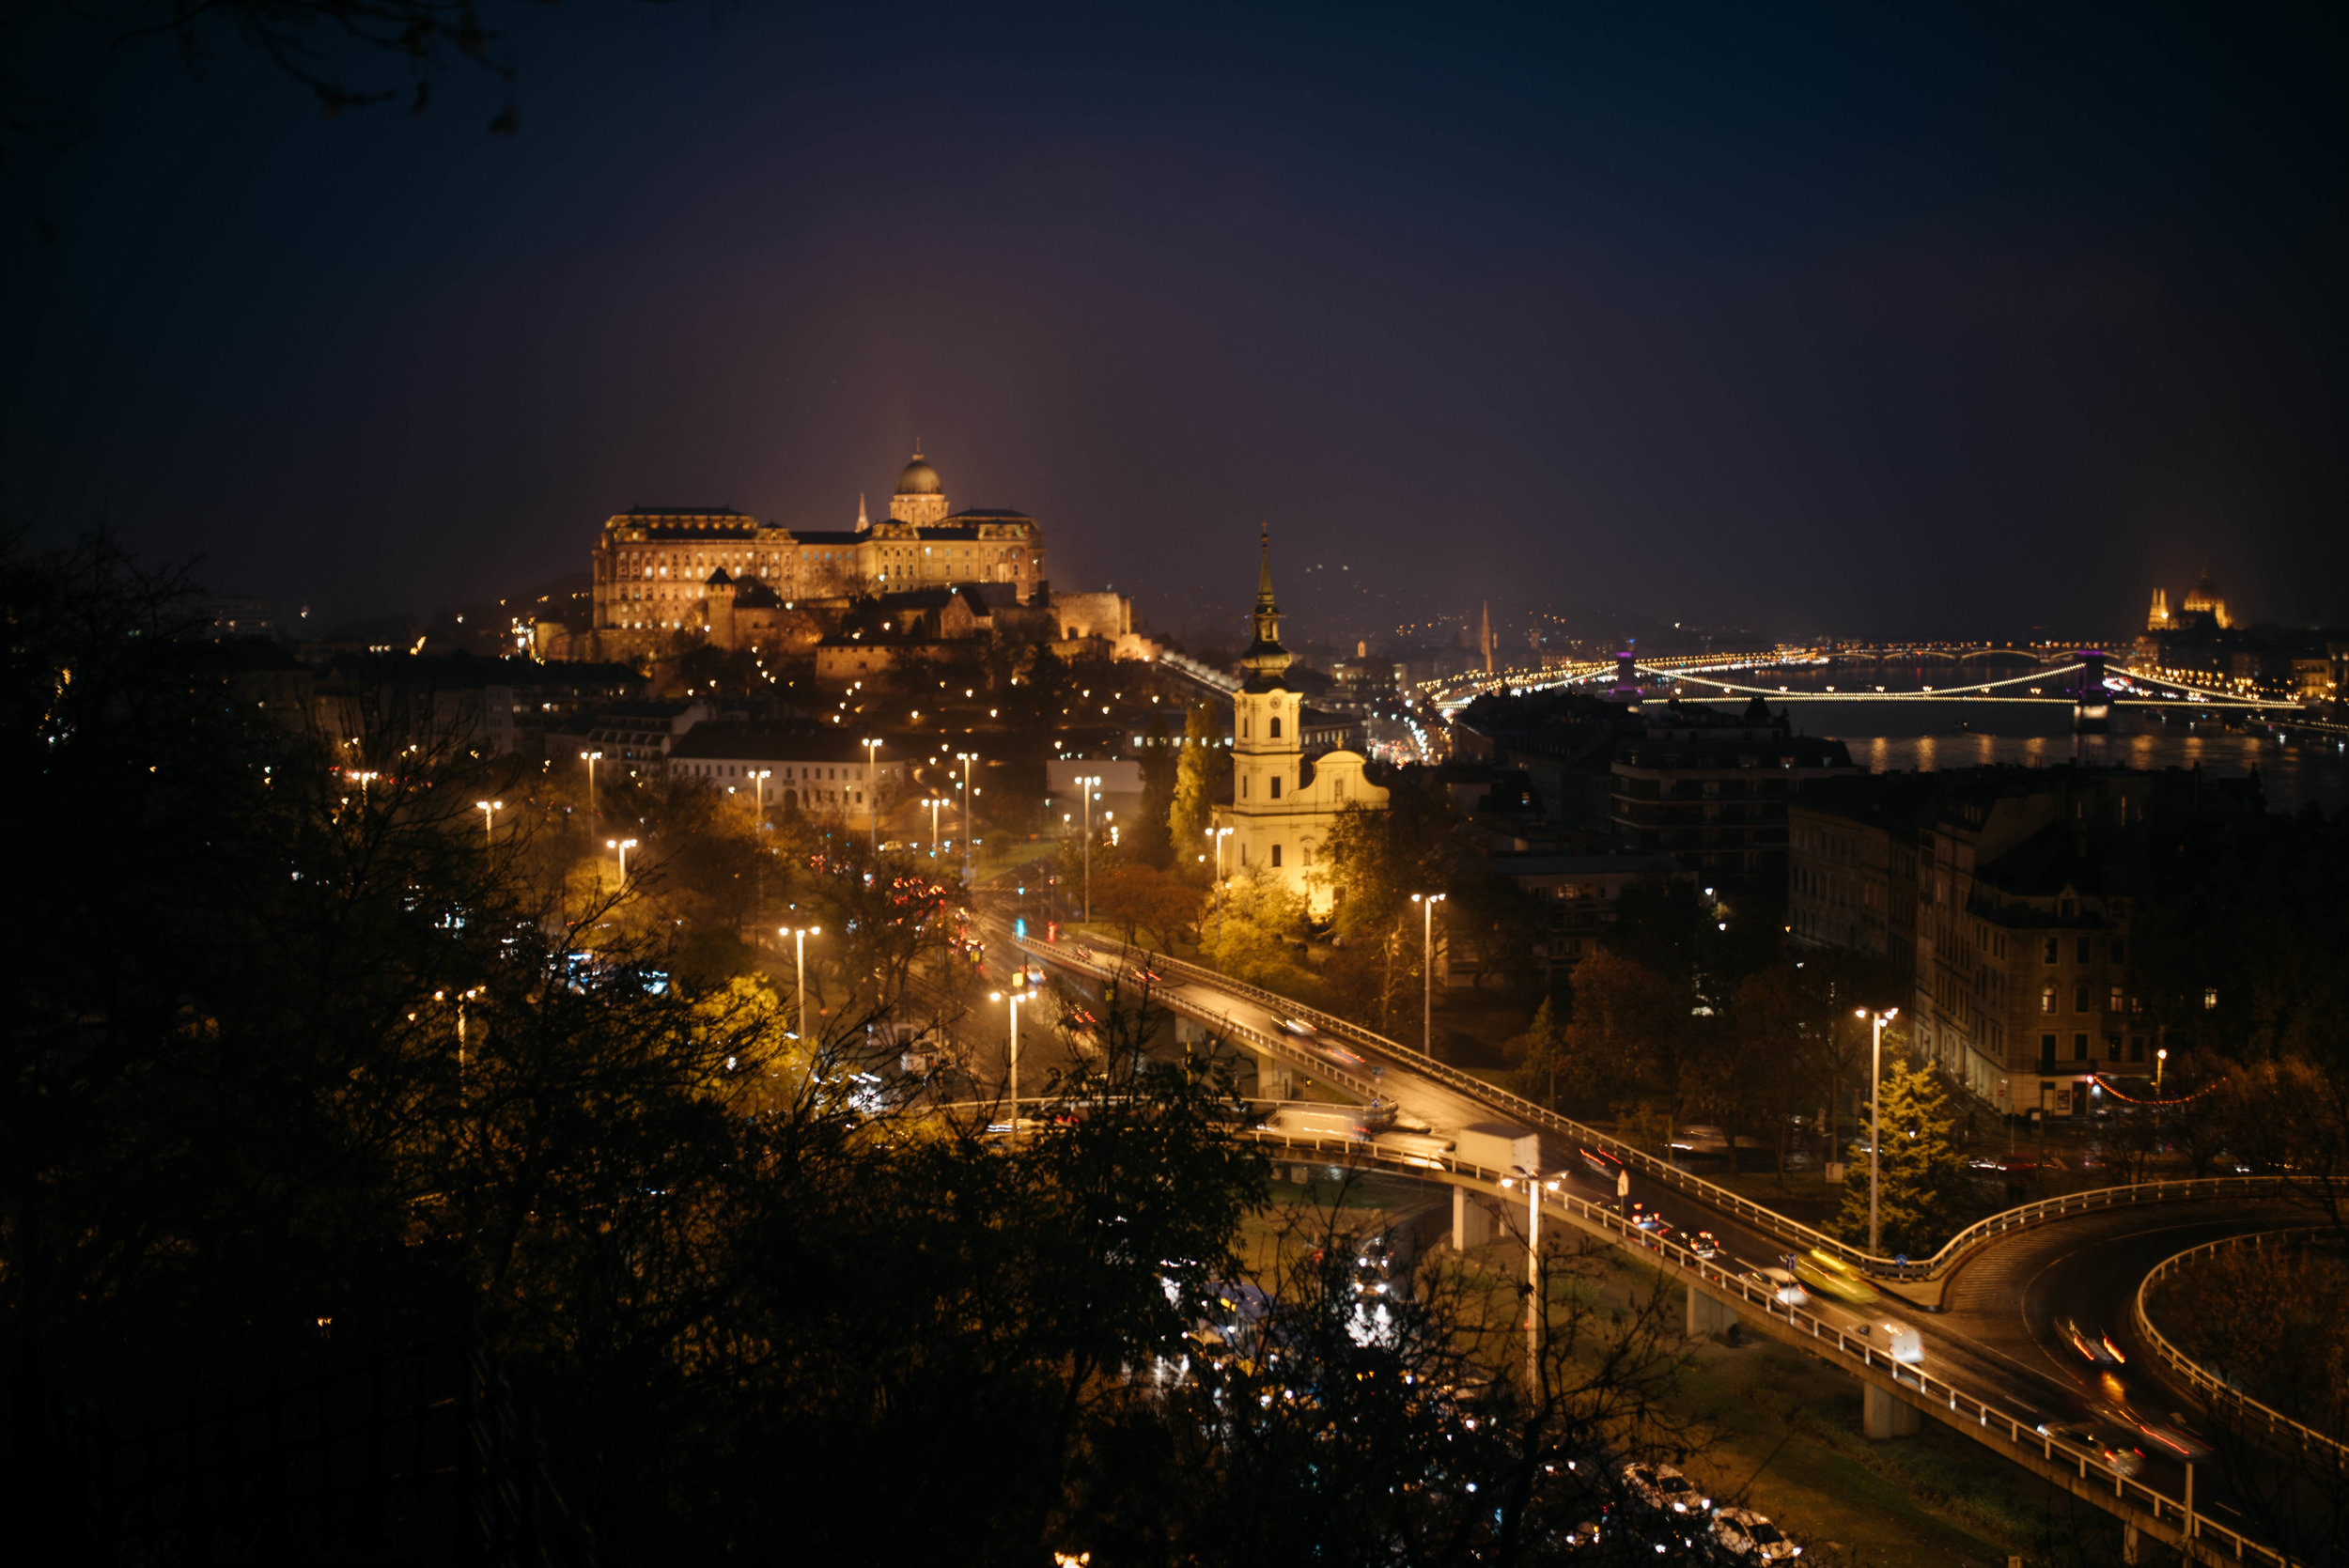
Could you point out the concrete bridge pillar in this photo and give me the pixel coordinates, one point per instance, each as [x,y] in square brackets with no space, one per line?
[1885,1414]
[2132,1548]
[1471,1222]
[1708,1314]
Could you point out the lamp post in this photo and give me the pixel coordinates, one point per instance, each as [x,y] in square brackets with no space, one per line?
[1534,1302]
[1875,1118]
[872,794]
[591,758]
[623,845]
[1219,836]
[1090,785]
[1428,969]
[966,758]
[1015,998]
[799,934]
[934,803]
[758,780]
[489,810]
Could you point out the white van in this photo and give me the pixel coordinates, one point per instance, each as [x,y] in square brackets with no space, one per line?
[1897,1339]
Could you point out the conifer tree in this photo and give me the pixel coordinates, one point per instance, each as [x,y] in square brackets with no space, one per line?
[1923,1173]
[1186,818]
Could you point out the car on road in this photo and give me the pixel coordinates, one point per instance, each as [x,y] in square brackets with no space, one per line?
[1331,1050]
[1898,1339]
[1663,1488]
[1705,1244]
[1782,1286]
[1149,976]
[1606,1167]
[2096,1349]
[1742,1535]
[1830,1275]
[2118,1455]
[1299,1028]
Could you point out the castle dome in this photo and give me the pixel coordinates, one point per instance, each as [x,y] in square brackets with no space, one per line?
[920,478]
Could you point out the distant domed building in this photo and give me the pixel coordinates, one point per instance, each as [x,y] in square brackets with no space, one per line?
[2203,599]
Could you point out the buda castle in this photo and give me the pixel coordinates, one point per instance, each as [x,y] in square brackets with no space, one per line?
[717,573]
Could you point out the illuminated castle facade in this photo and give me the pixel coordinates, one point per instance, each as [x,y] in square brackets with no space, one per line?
[717,573]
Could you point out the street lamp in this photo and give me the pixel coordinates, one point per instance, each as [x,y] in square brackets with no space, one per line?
[1015,998]
[872,793]
[2161,1060]
[758,780]
[934,803]
[1876,1117]
[799,934]
[1089,787]
[1534,1302]
[591,758]
[966,758]
[1219,836]
[490,810]
[1428,969]
[623,845]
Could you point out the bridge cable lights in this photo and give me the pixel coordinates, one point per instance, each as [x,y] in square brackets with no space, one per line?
[1875,1118]
[799,934]
[1428,969]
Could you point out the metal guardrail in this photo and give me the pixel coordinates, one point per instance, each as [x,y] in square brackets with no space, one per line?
[1762,1217]
[1995,1427]
[2208,1384]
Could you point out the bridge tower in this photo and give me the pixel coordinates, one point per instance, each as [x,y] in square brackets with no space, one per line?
[2092,705]
[1627,676]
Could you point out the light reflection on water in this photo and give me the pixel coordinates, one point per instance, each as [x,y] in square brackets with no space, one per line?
[1937,737]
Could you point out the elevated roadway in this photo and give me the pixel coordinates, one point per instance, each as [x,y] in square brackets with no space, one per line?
[2002,1298]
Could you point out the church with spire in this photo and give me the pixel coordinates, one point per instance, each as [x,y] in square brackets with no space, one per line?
[1283,803]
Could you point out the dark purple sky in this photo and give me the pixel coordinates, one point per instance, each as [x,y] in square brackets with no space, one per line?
[1796,320]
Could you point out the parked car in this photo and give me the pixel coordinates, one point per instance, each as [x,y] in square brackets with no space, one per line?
[1663,1488]
[1742,1535]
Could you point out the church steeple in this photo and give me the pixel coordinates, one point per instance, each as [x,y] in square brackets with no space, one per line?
[1266,658]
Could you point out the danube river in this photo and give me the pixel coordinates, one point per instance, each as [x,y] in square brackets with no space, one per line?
[1890,736]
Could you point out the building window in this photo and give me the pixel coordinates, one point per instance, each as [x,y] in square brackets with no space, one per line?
[2046,1053]
[2136,1048]
[2210,999]
[2113,1047]
[1276,735]
[2120,950]
[1275,783]
[1276,865]
[2050,950]
[2079,1047]
[2046,1000]
[2112,1002]
[1243,795]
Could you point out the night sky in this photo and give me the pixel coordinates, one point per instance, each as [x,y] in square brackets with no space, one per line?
[1803,321]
